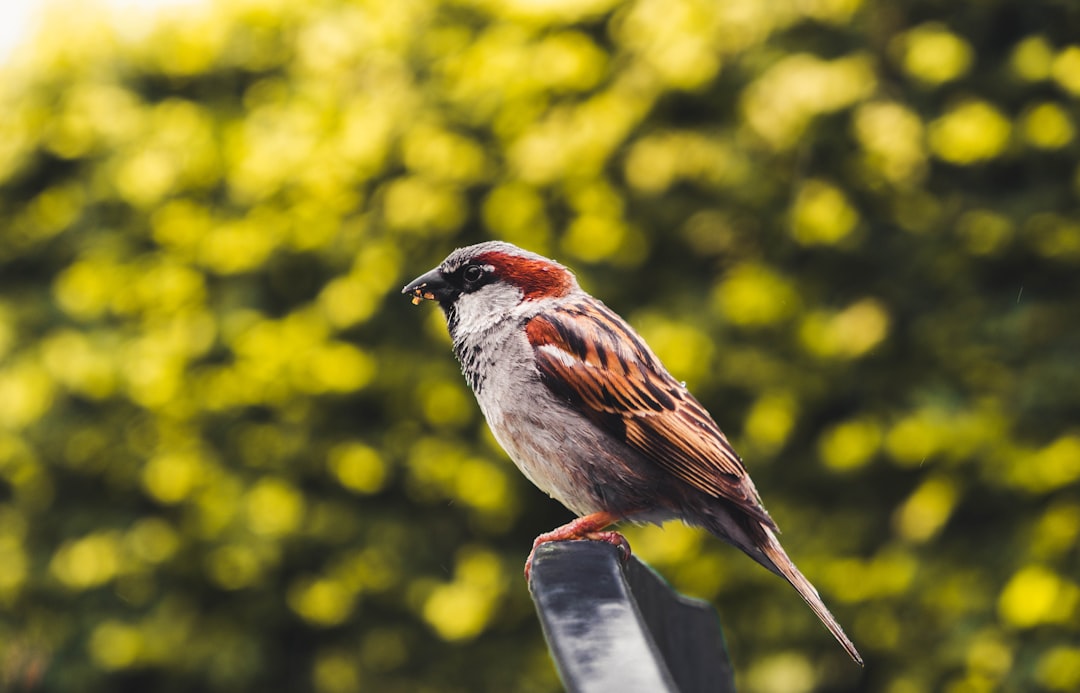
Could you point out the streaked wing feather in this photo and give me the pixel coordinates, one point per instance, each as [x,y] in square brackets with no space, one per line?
[588,355]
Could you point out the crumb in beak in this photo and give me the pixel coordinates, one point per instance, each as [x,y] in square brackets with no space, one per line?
[419,295]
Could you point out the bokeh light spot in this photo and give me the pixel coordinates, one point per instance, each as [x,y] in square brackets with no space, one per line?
[569,61]
[274,507]
[971,132]
[1057,530]
[593,238]
[1037,595]
[115,645]
[917,436]
[1047,126]
[990,655]
[780,105]
[984,231]
[336,672]
[851,444]
[88,562]
[890,572]
[418,205]
[1032,59]
[482,485]
[233,566]
[336,367]
[80,364]
[933,54]
[1066,69]
[787,671]
[443,155]
[754,295]
[847,334]
[515,212]
[358,467]
[446,403]
[320,601]
[1059,669]
[669,544]
[460,610]
[771,420]
[13,567]
[1055,466]
[925,512]
[686,351]
[1053,236]
[892,137]
[822,214]
[171,476]
[153,540]
[240,245]
[26,392]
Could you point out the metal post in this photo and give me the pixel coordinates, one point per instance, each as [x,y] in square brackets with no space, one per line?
[619,628]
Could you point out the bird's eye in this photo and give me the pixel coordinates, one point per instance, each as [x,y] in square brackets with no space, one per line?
[473,273]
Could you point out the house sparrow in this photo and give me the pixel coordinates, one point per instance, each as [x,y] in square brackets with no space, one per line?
[589,414]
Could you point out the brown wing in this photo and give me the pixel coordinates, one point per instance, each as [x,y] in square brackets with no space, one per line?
[589,356]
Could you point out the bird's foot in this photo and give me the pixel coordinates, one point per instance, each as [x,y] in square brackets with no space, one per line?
[615,539]
[584,528]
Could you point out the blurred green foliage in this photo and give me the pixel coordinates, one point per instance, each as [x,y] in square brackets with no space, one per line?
[233,458]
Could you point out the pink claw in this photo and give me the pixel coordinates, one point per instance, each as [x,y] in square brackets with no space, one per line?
[583,528]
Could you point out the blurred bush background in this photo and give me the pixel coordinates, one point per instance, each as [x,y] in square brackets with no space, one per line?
[233,458]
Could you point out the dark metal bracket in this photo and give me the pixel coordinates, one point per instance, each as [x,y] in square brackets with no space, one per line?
[615,627]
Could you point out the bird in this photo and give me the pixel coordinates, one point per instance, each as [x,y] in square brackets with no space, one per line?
[590,415]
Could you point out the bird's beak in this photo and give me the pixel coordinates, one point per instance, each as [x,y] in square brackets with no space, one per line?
[431,286]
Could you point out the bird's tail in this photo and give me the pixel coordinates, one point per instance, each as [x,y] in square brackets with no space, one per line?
[770,546]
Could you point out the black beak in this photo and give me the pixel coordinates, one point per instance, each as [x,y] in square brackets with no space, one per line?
[431,286]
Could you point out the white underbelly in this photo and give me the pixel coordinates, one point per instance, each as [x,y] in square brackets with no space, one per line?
[552,453]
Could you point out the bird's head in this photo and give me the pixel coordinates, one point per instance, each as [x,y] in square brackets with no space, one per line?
[491,278]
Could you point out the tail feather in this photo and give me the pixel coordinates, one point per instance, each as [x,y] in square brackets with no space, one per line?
[771,548]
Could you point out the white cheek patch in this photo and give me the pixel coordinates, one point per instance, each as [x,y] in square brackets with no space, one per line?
[488,306]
